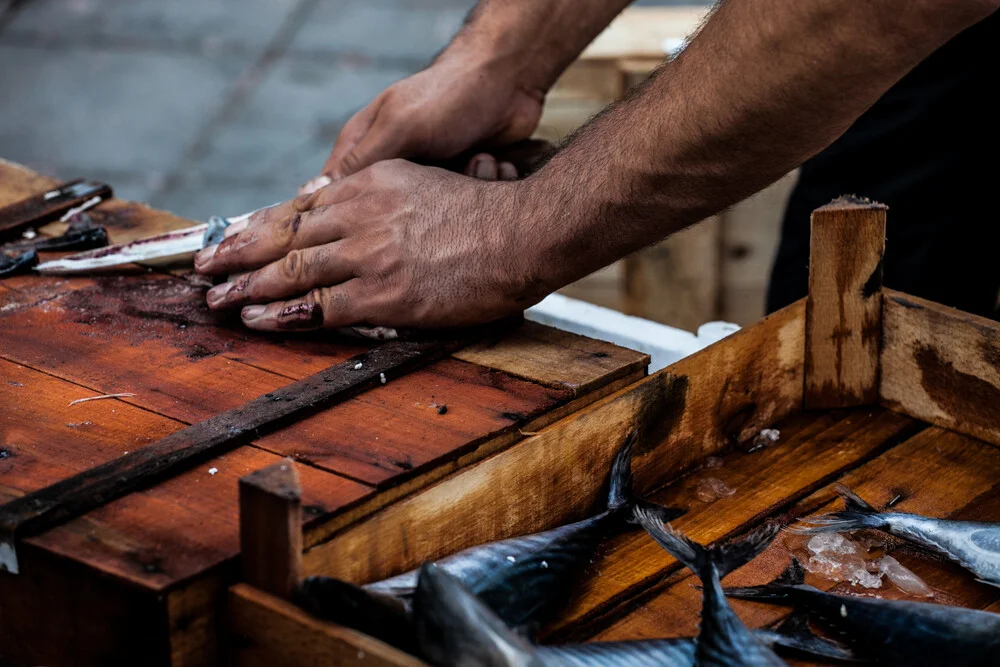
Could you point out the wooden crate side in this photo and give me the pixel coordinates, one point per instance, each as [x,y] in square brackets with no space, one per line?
[54,613]
[690,410]
[267,631]
[843,309]
[941,365]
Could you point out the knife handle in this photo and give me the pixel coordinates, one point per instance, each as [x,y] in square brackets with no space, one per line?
[42,208]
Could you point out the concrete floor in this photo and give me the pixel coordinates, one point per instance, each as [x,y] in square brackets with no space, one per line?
[202,107]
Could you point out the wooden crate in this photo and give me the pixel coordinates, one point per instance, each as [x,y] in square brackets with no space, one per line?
[887,393]
[715,270]
[142,580]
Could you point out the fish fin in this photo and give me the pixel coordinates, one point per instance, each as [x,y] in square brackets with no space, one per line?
[778,589]
[737,553]
[794,633]
[989,583]
[527,631]
[620,487]
[857,514]
[725,558]
[853,502]
[662,513]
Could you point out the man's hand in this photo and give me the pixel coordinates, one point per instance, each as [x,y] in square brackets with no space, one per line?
[436,114]
[396,244]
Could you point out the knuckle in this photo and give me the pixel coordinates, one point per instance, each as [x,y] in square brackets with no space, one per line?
[292,267]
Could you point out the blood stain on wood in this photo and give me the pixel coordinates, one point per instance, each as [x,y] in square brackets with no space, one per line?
[168,309]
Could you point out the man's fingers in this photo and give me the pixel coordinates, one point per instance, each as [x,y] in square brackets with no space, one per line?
[295,273]
[383,141]
[327,307]
[270,238]
[507,171]
[351,134]
[482,166]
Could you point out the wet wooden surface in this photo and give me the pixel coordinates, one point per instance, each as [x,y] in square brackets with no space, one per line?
[148,333]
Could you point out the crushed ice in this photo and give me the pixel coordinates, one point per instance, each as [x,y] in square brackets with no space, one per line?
[768,437]
[835,557]
[904,578]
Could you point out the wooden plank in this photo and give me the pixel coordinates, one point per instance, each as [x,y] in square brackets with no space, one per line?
[939,473]
[18,182]
[266,631]
[844,307]
[677,281]
[84,491]
[271,529]
[642,31]
[687,411]
[941,365]
[195,614]
[546,355]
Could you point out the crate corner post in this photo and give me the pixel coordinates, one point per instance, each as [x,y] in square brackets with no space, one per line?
[271,528]
[844,304]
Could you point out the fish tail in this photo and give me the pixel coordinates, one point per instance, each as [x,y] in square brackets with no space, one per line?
[794,633]
[857,514]
[621,497]
[702,560]
[620,489]
[779,589]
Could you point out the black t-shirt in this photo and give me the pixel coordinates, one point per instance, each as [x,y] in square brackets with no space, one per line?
[927,149]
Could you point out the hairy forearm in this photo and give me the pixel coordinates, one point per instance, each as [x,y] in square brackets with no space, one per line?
[533,41]
[765,85]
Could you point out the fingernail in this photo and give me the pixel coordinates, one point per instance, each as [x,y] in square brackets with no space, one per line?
[218,293]
[315,184]
[205,256]
[486,169]
[251,313]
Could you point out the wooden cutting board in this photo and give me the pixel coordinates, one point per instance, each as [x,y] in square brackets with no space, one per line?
[141,580]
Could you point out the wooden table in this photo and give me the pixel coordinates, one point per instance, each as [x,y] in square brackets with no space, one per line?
[142,579]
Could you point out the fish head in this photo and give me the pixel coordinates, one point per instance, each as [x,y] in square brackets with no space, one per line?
[454,627]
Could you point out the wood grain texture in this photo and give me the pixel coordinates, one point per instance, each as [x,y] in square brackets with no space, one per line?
[810,453]
[267,631]
[696,407]
[940,473]
[843,309]
[941,365]
[271,529]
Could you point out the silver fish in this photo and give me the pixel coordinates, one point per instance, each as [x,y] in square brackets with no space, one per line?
[524,580]
[896,631]
[722,639]
[975,546]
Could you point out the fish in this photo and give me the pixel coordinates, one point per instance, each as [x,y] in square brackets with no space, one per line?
[525,580]
[793,636]
[974,546]
[896,631]
[722,637]
[454,627]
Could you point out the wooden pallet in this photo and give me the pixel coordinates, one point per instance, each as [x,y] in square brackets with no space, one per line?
[890,394]
[142,580]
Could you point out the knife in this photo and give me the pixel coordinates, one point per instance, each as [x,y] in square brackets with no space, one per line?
[160,246]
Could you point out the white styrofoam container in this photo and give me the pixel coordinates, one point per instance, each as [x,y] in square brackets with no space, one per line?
[662,343]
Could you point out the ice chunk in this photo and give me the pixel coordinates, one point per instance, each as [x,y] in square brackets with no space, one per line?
[836,558]
[904,578]
[766,438]
[711,489]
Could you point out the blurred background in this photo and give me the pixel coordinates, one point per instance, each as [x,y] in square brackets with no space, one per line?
[206,107]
